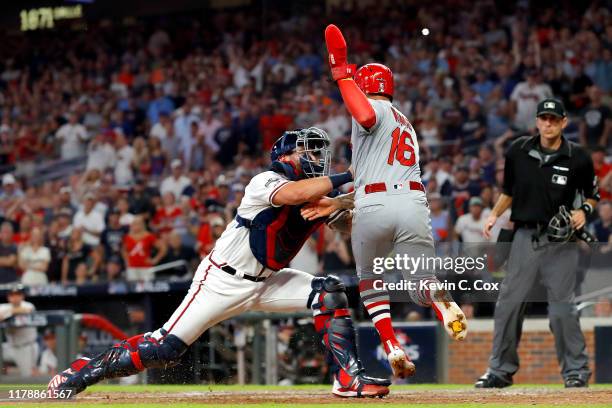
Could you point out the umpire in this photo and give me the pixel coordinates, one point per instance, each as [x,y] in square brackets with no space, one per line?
[542,173]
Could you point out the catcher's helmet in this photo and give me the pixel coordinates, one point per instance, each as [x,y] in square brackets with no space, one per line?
[315,146]
[375,79]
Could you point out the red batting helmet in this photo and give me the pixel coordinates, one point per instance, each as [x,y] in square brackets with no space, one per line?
[375,79]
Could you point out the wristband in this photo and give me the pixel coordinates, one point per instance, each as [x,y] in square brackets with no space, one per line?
[587,208]
[339,179]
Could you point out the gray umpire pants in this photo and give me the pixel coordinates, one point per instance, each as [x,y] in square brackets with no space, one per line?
[556,267]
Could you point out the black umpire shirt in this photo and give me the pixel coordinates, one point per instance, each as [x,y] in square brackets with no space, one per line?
[540,181]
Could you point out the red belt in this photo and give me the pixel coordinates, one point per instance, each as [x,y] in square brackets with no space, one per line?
[380,187]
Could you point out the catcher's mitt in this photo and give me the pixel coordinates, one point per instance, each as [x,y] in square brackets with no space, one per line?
[341,221]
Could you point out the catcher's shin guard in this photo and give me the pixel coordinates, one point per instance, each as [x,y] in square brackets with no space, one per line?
[122,360]
[334,324]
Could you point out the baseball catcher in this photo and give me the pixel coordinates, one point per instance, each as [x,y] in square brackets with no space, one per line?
[247,271]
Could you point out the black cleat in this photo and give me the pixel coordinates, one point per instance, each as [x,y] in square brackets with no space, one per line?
[576,382]
[489,380]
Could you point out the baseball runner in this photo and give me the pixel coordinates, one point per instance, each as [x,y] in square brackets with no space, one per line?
[246,271]
[391,213]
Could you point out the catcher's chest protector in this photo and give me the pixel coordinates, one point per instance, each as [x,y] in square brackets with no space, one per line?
[277,234]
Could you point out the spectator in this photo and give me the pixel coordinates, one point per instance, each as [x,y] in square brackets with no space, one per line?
[162,129]
[208,128]
[178,252]
[25,228]
[11,194]
[77,252]
[140,203]
[100,154]
[65,200]
[603,171]
[10,189]
[434,170]
[169,141]
[440,219]
[112,236]
[596,123]
[159,159]
[73,137]
[166,216]
[141,162]
[580,83]
[64,223]
[34,259]
[470,226]
[90,221]
[161,104]
[81,274]
[226,138]
[113,269]
[138,247]
[125,216]
[474,128]
[8,254]
[525,98]
[462,189]
[429,130]
[176,182]
[487,164]
[123,165]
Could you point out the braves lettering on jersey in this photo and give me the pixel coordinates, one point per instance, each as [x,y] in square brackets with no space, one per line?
[387,152]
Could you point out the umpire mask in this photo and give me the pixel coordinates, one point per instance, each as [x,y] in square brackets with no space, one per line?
[560,226]
[315,157]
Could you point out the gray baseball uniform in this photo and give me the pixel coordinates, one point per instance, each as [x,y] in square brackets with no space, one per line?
[395,220]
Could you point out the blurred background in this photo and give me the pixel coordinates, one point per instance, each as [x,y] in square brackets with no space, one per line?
[129,130]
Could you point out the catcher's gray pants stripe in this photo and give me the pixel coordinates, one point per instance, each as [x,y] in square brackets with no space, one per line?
[556,266]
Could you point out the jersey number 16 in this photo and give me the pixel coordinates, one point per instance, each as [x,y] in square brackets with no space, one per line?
[402,148]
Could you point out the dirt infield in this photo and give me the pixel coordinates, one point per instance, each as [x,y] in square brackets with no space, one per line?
[515,395]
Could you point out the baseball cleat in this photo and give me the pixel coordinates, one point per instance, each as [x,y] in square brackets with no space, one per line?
[361,387]
[401,365]
[58,382]
[450,314]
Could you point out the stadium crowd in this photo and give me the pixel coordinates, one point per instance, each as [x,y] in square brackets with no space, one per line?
[172,117]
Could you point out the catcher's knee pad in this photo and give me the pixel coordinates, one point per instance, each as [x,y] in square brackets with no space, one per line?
[161,354]
[328,294]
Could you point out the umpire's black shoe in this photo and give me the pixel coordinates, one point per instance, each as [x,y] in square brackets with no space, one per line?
[489,380]
[576,382]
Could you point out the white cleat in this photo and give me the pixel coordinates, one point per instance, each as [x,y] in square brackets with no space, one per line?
[401,365]
[450,314]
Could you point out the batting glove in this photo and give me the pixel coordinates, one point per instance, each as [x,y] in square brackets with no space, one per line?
[336,49]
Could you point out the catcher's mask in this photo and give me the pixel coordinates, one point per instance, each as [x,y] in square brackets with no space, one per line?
[315,157]
[560,226]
